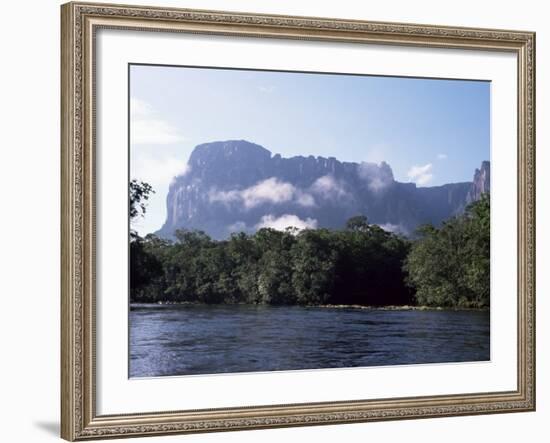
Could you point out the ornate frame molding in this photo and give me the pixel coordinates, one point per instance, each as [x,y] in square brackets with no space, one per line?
[79,23]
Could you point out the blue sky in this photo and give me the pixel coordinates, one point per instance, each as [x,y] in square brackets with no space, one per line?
[430,131]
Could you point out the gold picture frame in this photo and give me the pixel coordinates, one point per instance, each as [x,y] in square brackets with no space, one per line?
[79,22]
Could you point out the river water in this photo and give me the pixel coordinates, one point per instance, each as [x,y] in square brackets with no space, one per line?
[199,339]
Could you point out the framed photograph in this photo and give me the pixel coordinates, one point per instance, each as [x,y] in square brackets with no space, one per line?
[282,221]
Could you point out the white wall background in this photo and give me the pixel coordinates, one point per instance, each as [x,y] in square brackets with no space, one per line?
[29,219]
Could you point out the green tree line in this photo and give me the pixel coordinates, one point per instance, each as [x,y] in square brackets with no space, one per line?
[361,264]
[450,266]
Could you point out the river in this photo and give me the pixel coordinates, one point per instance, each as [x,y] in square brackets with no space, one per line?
[208,339]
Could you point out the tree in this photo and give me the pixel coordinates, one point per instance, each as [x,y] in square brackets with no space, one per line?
[357,223]
[144,266]
[275,278]
[245,255]
[478,250]
[449,266]
[144,269]
[139,194]
[314,264]
[274,273]
[362,264]
[369,269]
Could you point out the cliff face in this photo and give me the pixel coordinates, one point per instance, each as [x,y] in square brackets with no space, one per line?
[481,183]
[239,186]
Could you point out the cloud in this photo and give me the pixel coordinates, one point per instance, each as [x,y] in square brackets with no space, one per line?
[328,187]
[396,229]
[153,132]
[286,221]
[304,199]
[226,197]
[271,190]
[378,153]
[147,128]
[157,170]
[421,175]
[378,177]
[268,89]
[442,156]
[140,108]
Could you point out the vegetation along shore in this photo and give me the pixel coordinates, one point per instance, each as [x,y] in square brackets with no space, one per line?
[361,265]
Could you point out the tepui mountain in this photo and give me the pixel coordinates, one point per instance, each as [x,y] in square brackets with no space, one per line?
[235,185]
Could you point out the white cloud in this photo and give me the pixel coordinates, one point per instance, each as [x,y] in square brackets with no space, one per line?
[271,190]
[442,156]
[140,108]
[226,197]
[377,184]
[286,221]
[378,177]
[378,153]
[396,229]
[268,89]
[304,199]
[153,132]
[421,175]
[328,187]
[157,170]
[148,128]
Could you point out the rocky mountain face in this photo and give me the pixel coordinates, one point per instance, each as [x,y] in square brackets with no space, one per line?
[240,186]
[481,183]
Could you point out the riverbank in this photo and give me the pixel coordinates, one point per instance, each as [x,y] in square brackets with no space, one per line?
[326,306]
[402,308]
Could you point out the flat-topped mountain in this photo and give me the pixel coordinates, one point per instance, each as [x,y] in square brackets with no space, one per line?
[236,185]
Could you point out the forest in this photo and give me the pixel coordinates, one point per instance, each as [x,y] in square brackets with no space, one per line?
[362,264]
